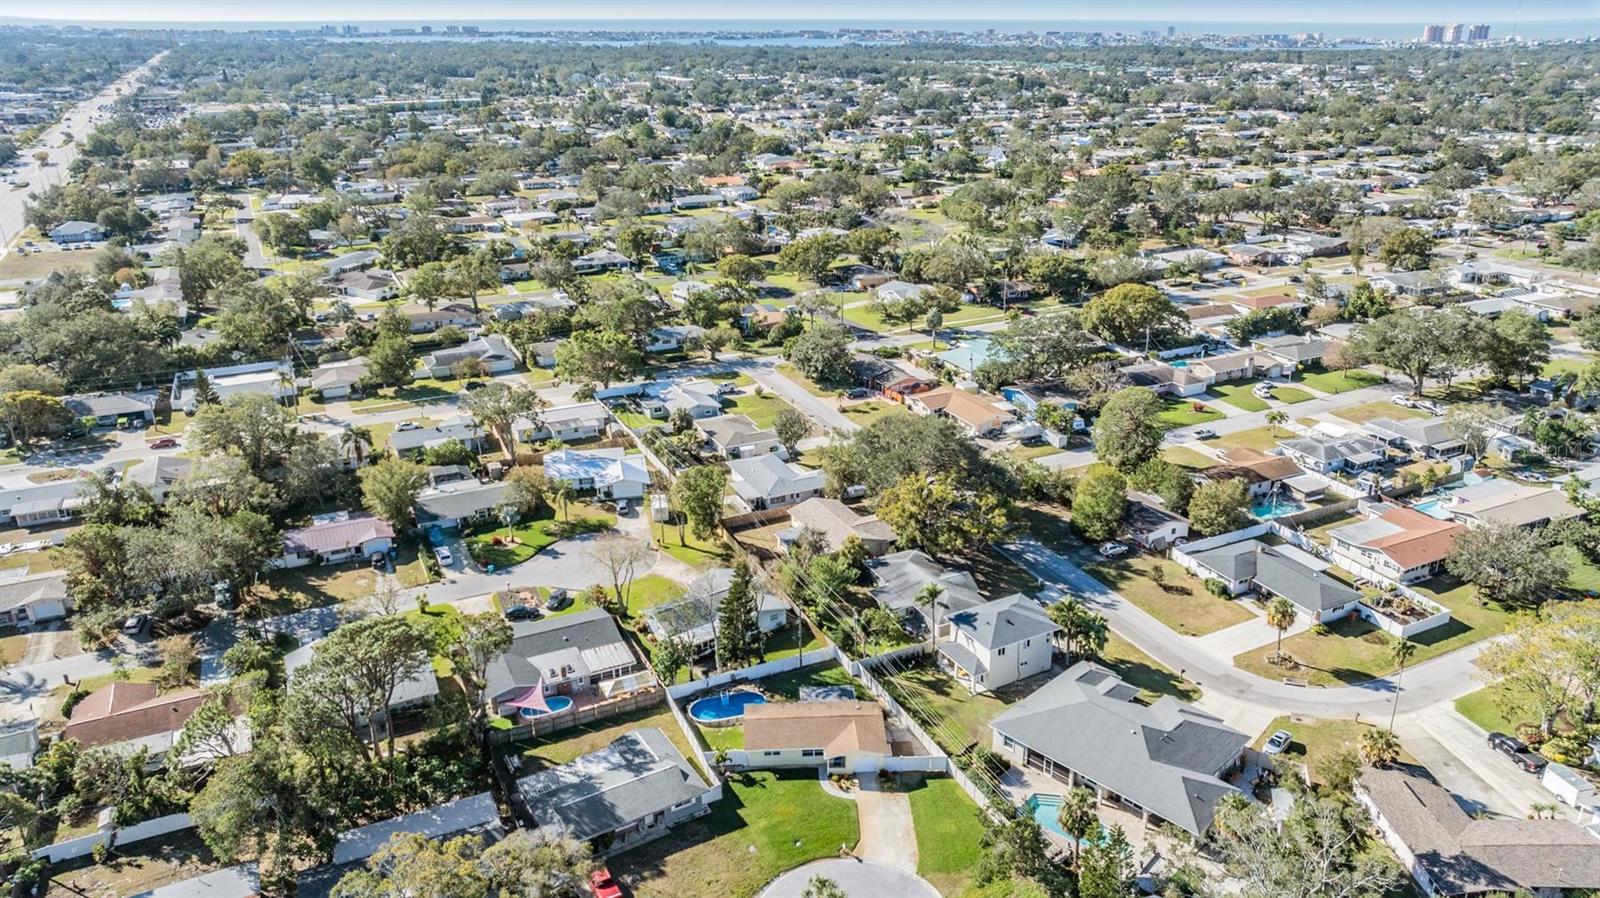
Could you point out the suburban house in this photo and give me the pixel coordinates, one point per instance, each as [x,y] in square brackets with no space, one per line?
[1294,350]
[698,397]
[416,691]
[976,415]
[1394,545]
[1324,453]
[449,506]
[29,504]
[1451,853]
[426,321]
[113,409]
[77,232]
[836,522]
[158,474]
[275,379]
[19,741]
[611,473]
[1167,761]
[1264,474]
[496,354]
[633,790]
[339,380]
[1430,437]
[473,815]
[1415,284]
[693,618]
[237,881]
[568,423]
[336,541]
[893,380]
[843,736]
[736,436]
[566,655]
[900,578]
[372,285]
[1252,565]
[34,598]
[767,481]
[126,712]
[1503,501]
[672,337]
[409,441]
[1147,521]
[601,260]
[998,643]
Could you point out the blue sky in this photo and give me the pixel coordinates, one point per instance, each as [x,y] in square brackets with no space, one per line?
[1155,11]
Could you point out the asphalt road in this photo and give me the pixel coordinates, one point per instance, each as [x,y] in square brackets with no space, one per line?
[78,122]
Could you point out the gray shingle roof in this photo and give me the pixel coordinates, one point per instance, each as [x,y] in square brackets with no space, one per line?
[531,641]
[640,774]
[901,576]
[1006,621]
[1166,757]
[1276,572]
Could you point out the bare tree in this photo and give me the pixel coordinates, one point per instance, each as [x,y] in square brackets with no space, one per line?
[620,557]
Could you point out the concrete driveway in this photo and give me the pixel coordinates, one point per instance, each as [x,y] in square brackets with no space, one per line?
[858,879]
[1457,752]
[888,833]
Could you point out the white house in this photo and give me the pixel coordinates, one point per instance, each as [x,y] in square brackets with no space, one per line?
[998,643]
[767,481]
[335,541]
[578,421]
[611,473]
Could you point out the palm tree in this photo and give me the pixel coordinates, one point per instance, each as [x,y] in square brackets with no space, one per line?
[1379,747]
[1077,817]
[929,597]
[1402,652]
[355,439]
[562,491]
[1083,632]
[1276,418]
[1280,617]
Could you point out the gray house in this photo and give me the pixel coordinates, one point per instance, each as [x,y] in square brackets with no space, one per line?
[113,409]
[452,505]
[1167,761]
[693,618]
[565,655]
[633,790]
[899,579]
[1278,571]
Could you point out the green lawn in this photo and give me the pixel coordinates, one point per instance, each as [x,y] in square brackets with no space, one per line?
[963,717]
[1185,457]
[508,546]
[766,823]
[1239,396]
[1355,651]
[1486,709]
[564,745]
[1340,381]
[949,827]
[1258,438]
[806,383]
[651,590]
[864,413]
[697,553]
[1180,601]
[1152,678]
[762,409]
[1183,412]
[1367,411]
[1317,738]
[1291,395]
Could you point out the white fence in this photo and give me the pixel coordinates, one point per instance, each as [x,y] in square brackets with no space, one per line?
[885,764]
[757,671]
[1439,617]
[83,845]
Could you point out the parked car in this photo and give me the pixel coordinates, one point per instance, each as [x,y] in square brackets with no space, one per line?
[408,425]
[1113,549]
[1403,401]
[624,507]
[379,561]
[724,389]
[559,600]
[1277,742]
[602,885]
[165,443]
[442,553]
[858,393]
[1518,752]
[135,625]
[1262,391]
[521,613]
[1205,433]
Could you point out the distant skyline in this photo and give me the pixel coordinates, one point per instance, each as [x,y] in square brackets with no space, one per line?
[1271,14]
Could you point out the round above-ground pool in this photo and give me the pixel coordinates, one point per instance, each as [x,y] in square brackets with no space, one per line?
[555,702]
[724,708]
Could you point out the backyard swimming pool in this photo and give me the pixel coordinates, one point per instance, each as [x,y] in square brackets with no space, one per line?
[1270,507]
[554,703]
[724,708]
[1046,810]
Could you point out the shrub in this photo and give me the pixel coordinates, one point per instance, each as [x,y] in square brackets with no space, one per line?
[1217,588]
[1322,629]
[78,694]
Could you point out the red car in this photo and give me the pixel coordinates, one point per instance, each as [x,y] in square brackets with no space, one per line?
[601,885]
[164,443]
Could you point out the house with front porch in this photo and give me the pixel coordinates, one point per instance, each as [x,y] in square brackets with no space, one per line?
[34,598]
[693,618]
[611,473]
[568,423]
[841,736]
[335,541]
[767,481]
[1253,566]
[1167,761]
[1324,453]
[1394,545]
[998,643]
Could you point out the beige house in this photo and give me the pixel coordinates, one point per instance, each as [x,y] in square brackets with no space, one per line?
[844,736]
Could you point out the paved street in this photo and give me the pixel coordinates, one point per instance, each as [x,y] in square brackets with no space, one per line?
[78,122]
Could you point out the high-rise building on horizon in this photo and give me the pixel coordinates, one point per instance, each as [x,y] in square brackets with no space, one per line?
[1432,34]
[1453,33]
[1478,33]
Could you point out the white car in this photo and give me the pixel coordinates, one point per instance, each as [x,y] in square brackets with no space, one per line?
[1205,433]
[1262,391]
[1277,742]
[1112,550]
[408,425]
[1403,401]
[442,553]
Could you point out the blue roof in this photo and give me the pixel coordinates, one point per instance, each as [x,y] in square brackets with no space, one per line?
[969,354]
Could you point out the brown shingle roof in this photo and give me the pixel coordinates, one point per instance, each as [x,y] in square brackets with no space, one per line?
[123,711]
[1422,540]
[835,727]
